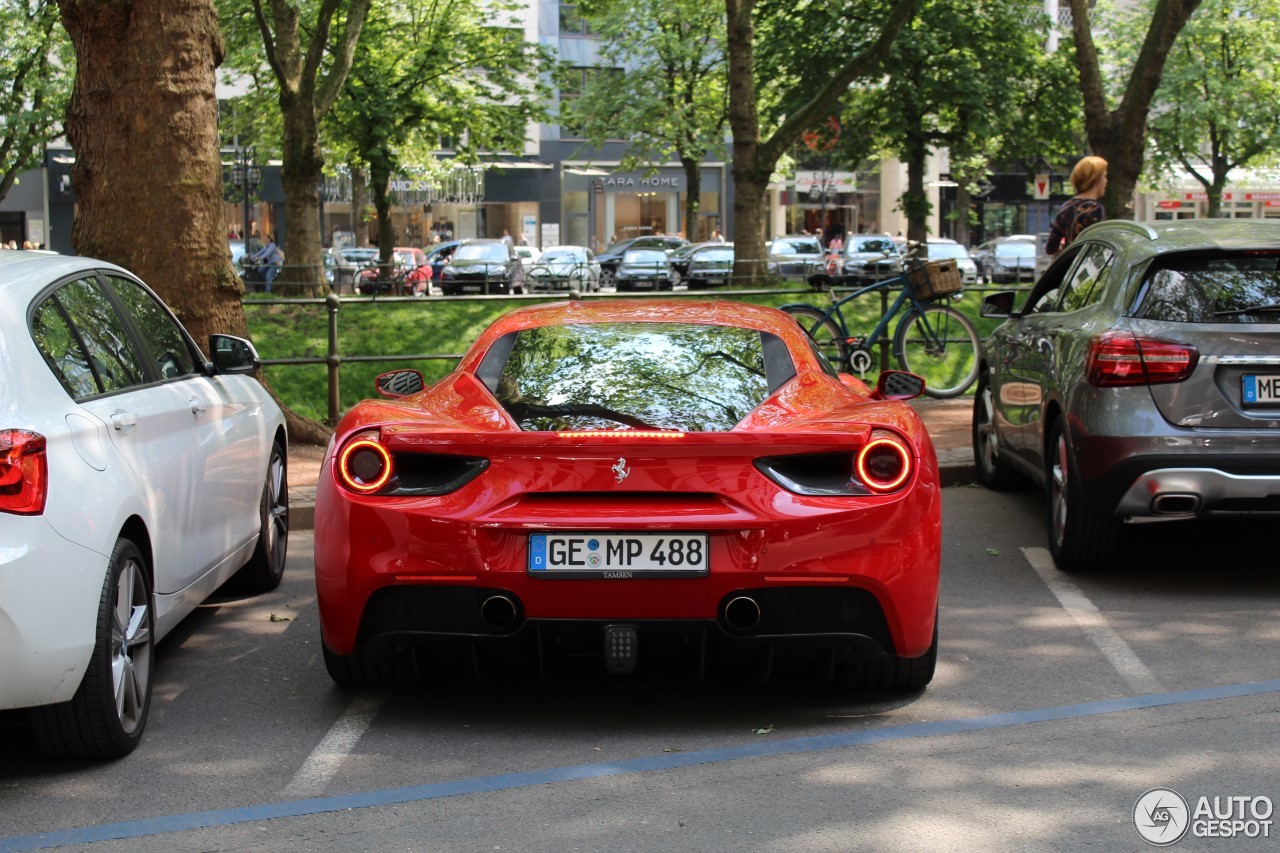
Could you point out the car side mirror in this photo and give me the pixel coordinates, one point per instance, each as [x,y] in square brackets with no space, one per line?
[998,306]
[395,384]
[232,355]
[898,385]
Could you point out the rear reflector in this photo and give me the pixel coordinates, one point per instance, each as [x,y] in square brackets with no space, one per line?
[24,472]
[1123,358]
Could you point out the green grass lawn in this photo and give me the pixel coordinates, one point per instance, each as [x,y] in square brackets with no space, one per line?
[433,326]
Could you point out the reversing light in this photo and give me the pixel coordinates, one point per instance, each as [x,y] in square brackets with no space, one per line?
[621,433]
[24,472]
[883,464]
[364,465]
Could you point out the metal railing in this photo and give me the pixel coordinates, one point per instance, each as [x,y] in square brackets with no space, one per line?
[333,359]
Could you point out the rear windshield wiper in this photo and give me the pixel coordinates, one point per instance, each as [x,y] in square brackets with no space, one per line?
[1269,308]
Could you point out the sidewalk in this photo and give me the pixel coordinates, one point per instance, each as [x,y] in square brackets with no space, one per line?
[948,422]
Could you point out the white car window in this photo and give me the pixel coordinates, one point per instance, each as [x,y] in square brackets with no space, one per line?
[160,333]
[115,360]
[62,351]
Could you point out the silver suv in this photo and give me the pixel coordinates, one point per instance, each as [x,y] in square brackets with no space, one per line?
[1139,379]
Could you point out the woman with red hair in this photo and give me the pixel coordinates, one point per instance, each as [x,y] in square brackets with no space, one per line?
[1089,178]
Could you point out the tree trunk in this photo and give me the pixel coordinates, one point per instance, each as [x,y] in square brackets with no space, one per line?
[379,182]
[359,189]
[148,174]
[1119,135]
[301,173]
[693,196]
[749,186]
[914,201]
[962,214]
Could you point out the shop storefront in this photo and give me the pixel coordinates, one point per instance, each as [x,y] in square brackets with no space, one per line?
[600,207]
[1186,203]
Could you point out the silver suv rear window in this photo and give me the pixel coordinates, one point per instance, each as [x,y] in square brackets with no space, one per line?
[1239,287]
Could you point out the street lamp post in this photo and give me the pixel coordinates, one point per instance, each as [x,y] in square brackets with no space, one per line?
[246,175]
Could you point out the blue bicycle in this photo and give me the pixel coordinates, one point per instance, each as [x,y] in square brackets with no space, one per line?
[932,340]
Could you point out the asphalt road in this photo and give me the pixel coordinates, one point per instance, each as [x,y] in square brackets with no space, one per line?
[1058,702]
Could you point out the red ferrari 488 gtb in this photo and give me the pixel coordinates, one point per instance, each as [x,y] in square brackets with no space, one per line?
[633,488]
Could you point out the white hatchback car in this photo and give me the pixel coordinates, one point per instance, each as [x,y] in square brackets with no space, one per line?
[136,477]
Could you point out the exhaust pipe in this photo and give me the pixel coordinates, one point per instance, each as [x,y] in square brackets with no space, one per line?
[498,612]
[1175,504]
[742,613]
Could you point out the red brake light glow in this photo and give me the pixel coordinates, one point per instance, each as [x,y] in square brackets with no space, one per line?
[884,464]
[24,472]
[621,433]
[1122,358]
[364,466]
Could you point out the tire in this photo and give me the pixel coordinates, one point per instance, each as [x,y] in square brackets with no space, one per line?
[266,567]
[1080,539]
[359,670]
[948,370]
[824,331]
[895,673]
[107,715]
[606,278]
[993,472]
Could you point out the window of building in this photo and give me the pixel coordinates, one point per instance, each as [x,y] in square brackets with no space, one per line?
[572,22]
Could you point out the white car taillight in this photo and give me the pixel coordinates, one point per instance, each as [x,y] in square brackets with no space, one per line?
[24,472]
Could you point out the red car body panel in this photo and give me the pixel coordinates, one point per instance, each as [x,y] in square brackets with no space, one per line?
[760,534]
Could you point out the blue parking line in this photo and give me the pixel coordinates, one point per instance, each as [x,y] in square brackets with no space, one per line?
[665,761]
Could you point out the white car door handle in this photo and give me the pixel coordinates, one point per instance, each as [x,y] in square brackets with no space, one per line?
[124,421]
[198,407]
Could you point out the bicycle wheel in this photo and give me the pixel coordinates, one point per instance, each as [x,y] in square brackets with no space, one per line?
[825,333]
[941,345]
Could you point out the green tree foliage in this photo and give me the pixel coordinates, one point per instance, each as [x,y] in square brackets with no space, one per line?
[1119,133]
[427,70]
[37,66]
[661,85]
[1218,107]
[301,57]
[971,78]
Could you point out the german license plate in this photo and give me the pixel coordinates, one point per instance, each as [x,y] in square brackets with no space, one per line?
[715,282]
[618,555]
[1261,388]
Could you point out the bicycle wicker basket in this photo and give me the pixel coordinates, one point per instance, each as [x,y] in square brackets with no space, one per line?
[934,279]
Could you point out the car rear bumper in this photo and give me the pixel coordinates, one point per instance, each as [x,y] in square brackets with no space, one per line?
[49,594]
[1218,475]
[888,550]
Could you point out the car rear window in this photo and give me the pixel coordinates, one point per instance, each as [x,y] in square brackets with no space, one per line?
[611,376]
[644,256]
[492,252]
[876,245]
[1015,250]
[1213,288]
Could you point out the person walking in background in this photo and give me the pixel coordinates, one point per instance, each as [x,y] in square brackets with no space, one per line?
[716,236]
[270,255]
[1089,178]
[506,237]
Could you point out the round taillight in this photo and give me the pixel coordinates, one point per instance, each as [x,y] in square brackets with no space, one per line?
[884,464]
[364,466]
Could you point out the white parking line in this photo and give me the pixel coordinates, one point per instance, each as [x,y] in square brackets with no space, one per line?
[1095,626]
[326,759]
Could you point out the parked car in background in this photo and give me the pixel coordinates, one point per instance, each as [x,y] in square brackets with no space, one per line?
[942,249]
[483,266]
[1006,260]
[794,256]
[865,259]
[678,259]
[611,257]
[409,275]
[565,268]
[349,262]
[659,490]
[136,477]
[710,266]
[1138,380]
[642,269]
[438,255]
